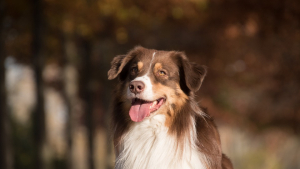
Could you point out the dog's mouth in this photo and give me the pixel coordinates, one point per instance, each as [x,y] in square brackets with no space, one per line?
[140,109]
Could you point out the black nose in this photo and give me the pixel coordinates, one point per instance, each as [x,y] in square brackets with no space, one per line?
[136,87]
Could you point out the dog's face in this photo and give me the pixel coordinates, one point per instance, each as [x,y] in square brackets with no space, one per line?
[154,81]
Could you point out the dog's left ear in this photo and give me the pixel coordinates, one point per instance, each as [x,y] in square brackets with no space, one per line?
[193,74]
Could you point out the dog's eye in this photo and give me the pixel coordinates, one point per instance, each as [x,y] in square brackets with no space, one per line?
[134,69]
[162,73]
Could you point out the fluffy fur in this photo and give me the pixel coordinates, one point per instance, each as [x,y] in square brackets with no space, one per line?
[176,133]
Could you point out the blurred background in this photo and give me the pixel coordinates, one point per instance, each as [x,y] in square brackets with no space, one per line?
[55,96]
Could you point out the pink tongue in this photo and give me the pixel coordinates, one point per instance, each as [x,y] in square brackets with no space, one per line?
[139,110]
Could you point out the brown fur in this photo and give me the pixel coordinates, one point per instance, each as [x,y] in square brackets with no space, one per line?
[182,79]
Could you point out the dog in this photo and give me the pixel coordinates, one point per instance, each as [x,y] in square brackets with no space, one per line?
[157,123]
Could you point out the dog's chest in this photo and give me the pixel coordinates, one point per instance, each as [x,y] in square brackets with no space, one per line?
[148,145]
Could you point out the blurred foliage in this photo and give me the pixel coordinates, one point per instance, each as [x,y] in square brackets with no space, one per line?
[23,143]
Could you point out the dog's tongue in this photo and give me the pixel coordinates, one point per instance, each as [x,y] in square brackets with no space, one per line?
[139,110]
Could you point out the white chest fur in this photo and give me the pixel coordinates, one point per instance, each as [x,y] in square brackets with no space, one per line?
[148,145]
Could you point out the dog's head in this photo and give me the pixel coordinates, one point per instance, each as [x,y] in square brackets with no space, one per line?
[155,81]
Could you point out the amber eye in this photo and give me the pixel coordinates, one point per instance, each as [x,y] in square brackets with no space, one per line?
[162,73]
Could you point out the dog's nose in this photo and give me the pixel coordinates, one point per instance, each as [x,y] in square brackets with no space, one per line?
[136,87]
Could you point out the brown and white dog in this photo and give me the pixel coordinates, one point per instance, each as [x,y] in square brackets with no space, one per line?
[156,121]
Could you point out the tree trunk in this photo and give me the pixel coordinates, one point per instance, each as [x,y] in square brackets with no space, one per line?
[3,114]
[39,112]
[3,111]
[5,148]
[87,92]
[68,97]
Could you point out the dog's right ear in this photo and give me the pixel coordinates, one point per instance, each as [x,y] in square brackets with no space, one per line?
[116,66]
[120,61]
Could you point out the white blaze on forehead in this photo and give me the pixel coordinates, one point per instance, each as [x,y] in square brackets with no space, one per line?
[152,57]
[151,63]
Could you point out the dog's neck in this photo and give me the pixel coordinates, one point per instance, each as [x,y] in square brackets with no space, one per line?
[148,144]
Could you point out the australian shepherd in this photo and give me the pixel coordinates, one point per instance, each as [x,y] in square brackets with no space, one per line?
[157,122]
